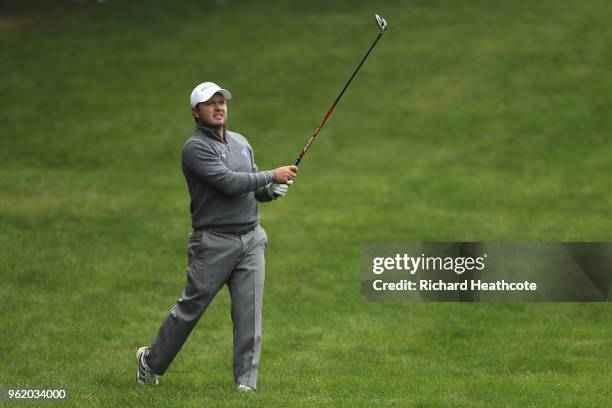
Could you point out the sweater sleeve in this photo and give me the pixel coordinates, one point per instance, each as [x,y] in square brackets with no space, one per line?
[261,194]
[205,164]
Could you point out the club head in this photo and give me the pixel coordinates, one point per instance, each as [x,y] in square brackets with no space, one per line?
[382,23]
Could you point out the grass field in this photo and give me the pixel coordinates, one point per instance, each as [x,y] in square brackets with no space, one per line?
[472,120]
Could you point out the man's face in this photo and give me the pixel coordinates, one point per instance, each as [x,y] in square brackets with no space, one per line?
[213,112]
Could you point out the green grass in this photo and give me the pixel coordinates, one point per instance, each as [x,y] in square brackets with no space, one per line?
[471,120]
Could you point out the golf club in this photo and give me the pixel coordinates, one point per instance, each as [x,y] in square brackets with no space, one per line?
[382,24]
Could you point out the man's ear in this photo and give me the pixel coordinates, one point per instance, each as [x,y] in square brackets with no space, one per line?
[195,112]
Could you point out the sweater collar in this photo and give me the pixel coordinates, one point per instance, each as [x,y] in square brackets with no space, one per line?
[212,132]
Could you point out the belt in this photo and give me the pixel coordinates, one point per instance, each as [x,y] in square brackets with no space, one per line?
[242,232]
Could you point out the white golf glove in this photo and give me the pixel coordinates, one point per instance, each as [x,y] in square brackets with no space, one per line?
[276,190]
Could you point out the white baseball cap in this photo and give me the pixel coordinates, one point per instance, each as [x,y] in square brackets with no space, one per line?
[205,91]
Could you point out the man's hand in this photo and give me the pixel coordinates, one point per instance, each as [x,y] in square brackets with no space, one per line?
[284,174]
[276,190]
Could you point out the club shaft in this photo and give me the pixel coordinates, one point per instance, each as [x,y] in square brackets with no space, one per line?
[333,105]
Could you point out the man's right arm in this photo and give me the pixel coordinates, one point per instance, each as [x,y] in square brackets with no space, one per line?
[209,167]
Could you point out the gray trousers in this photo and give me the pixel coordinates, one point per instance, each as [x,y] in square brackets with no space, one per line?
[216,259]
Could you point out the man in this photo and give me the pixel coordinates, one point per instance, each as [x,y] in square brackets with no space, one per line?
[226,245]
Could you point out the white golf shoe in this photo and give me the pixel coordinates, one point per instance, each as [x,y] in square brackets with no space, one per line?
[245,388]
[144,375]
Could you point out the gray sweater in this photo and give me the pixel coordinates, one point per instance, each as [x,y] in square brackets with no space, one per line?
[223,181]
